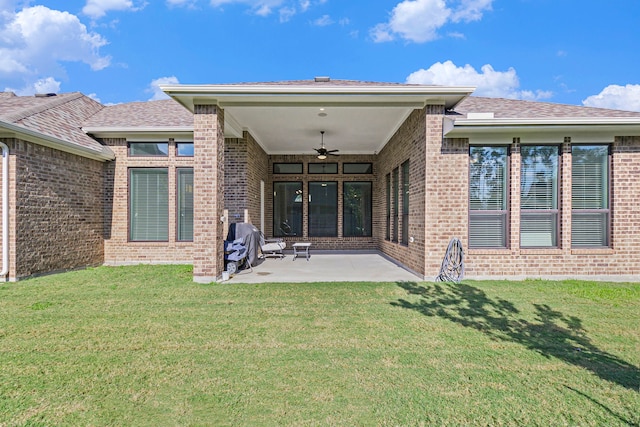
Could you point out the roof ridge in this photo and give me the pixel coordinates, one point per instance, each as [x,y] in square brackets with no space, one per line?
[32,111]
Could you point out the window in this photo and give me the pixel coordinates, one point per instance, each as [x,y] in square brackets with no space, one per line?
[405,203]
[287,168]
[148,148]
[590,215]
[357,168]
[287,209]
[488,190]
[387,233]
[396,190]
[148,204]
[323,209]
[184,149]
[357,209]
[323,168]
[539,196]
[185,203]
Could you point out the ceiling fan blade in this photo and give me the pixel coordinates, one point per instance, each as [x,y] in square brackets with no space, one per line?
[332,151]
[332,154]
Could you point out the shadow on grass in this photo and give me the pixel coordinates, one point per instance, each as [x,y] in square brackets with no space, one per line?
[552,333]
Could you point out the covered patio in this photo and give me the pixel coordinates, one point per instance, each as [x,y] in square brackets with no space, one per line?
[326,266]
[260,157]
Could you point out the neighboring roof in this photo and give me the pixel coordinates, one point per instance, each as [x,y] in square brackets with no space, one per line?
[166,113]
[52,120]
[517,109]
[498,120]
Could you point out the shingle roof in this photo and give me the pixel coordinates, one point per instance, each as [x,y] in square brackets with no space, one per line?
[165,113]
[58,116]
[517,109]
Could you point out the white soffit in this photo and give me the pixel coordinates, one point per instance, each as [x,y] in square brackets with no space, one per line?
[288,119]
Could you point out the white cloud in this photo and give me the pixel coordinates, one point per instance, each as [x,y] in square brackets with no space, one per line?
[286,9]
[488,82]
[180,2]
[470,10]
[46,85]
[616,97]
[259,7]
[323,21]
[98,8]
[419,20]
[35,41]
[154,87]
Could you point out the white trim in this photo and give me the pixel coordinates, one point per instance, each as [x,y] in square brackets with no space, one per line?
[59,144]
[286,89]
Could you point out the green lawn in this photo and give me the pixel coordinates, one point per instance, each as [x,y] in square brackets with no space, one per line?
[145,346]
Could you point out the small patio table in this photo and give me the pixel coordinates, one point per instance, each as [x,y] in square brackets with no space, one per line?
[301,248]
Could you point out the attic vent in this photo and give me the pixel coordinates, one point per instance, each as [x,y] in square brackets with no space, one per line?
[479,115]
[322,79]
[44,95]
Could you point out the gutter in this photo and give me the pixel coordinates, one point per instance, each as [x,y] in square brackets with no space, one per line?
[102,155]
[5,209]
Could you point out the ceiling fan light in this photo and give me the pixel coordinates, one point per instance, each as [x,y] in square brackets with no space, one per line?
[322,156]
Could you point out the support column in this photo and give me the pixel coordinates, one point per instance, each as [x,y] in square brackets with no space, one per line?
[208,193]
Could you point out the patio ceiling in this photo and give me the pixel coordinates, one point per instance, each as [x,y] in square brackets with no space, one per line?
[288,118]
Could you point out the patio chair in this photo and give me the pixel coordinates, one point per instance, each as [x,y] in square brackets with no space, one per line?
[272,247]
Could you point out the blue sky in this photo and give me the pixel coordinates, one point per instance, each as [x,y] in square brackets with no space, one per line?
[562,51]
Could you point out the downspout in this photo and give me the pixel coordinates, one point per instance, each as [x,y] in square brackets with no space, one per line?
[5,209]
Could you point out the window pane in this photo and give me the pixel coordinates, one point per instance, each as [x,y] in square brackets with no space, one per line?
[387,234]
[185,204]
[589,177]
[539,196]
[323,209]
[539,230]
[590,196]
[149,204]
[148,148]
[357,168]
[488,176]
[357,209]
[589,229]
[405,203]
[185,149]
[285,168]
[396,191]
[323,168]
[287,209]
[488,230]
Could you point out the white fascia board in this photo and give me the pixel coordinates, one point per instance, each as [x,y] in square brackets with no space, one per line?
[140,132]
[575,121]
[210,90]
[296,95]
[104,154]
[546,131]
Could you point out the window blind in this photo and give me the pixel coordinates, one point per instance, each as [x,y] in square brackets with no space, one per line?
[590,221]
[149,205]
[539,196]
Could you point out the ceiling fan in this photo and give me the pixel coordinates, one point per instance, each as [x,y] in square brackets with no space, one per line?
[322,151]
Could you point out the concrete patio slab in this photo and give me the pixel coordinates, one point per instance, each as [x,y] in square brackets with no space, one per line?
[326,267]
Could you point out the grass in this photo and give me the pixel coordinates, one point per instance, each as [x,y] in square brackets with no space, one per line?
[145,345]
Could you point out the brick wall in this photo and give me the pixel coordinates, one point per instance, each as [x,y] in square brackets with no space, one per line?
[623,258]
[56,213]
[246,164]
[209,188]
[408,143]
[117,247]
